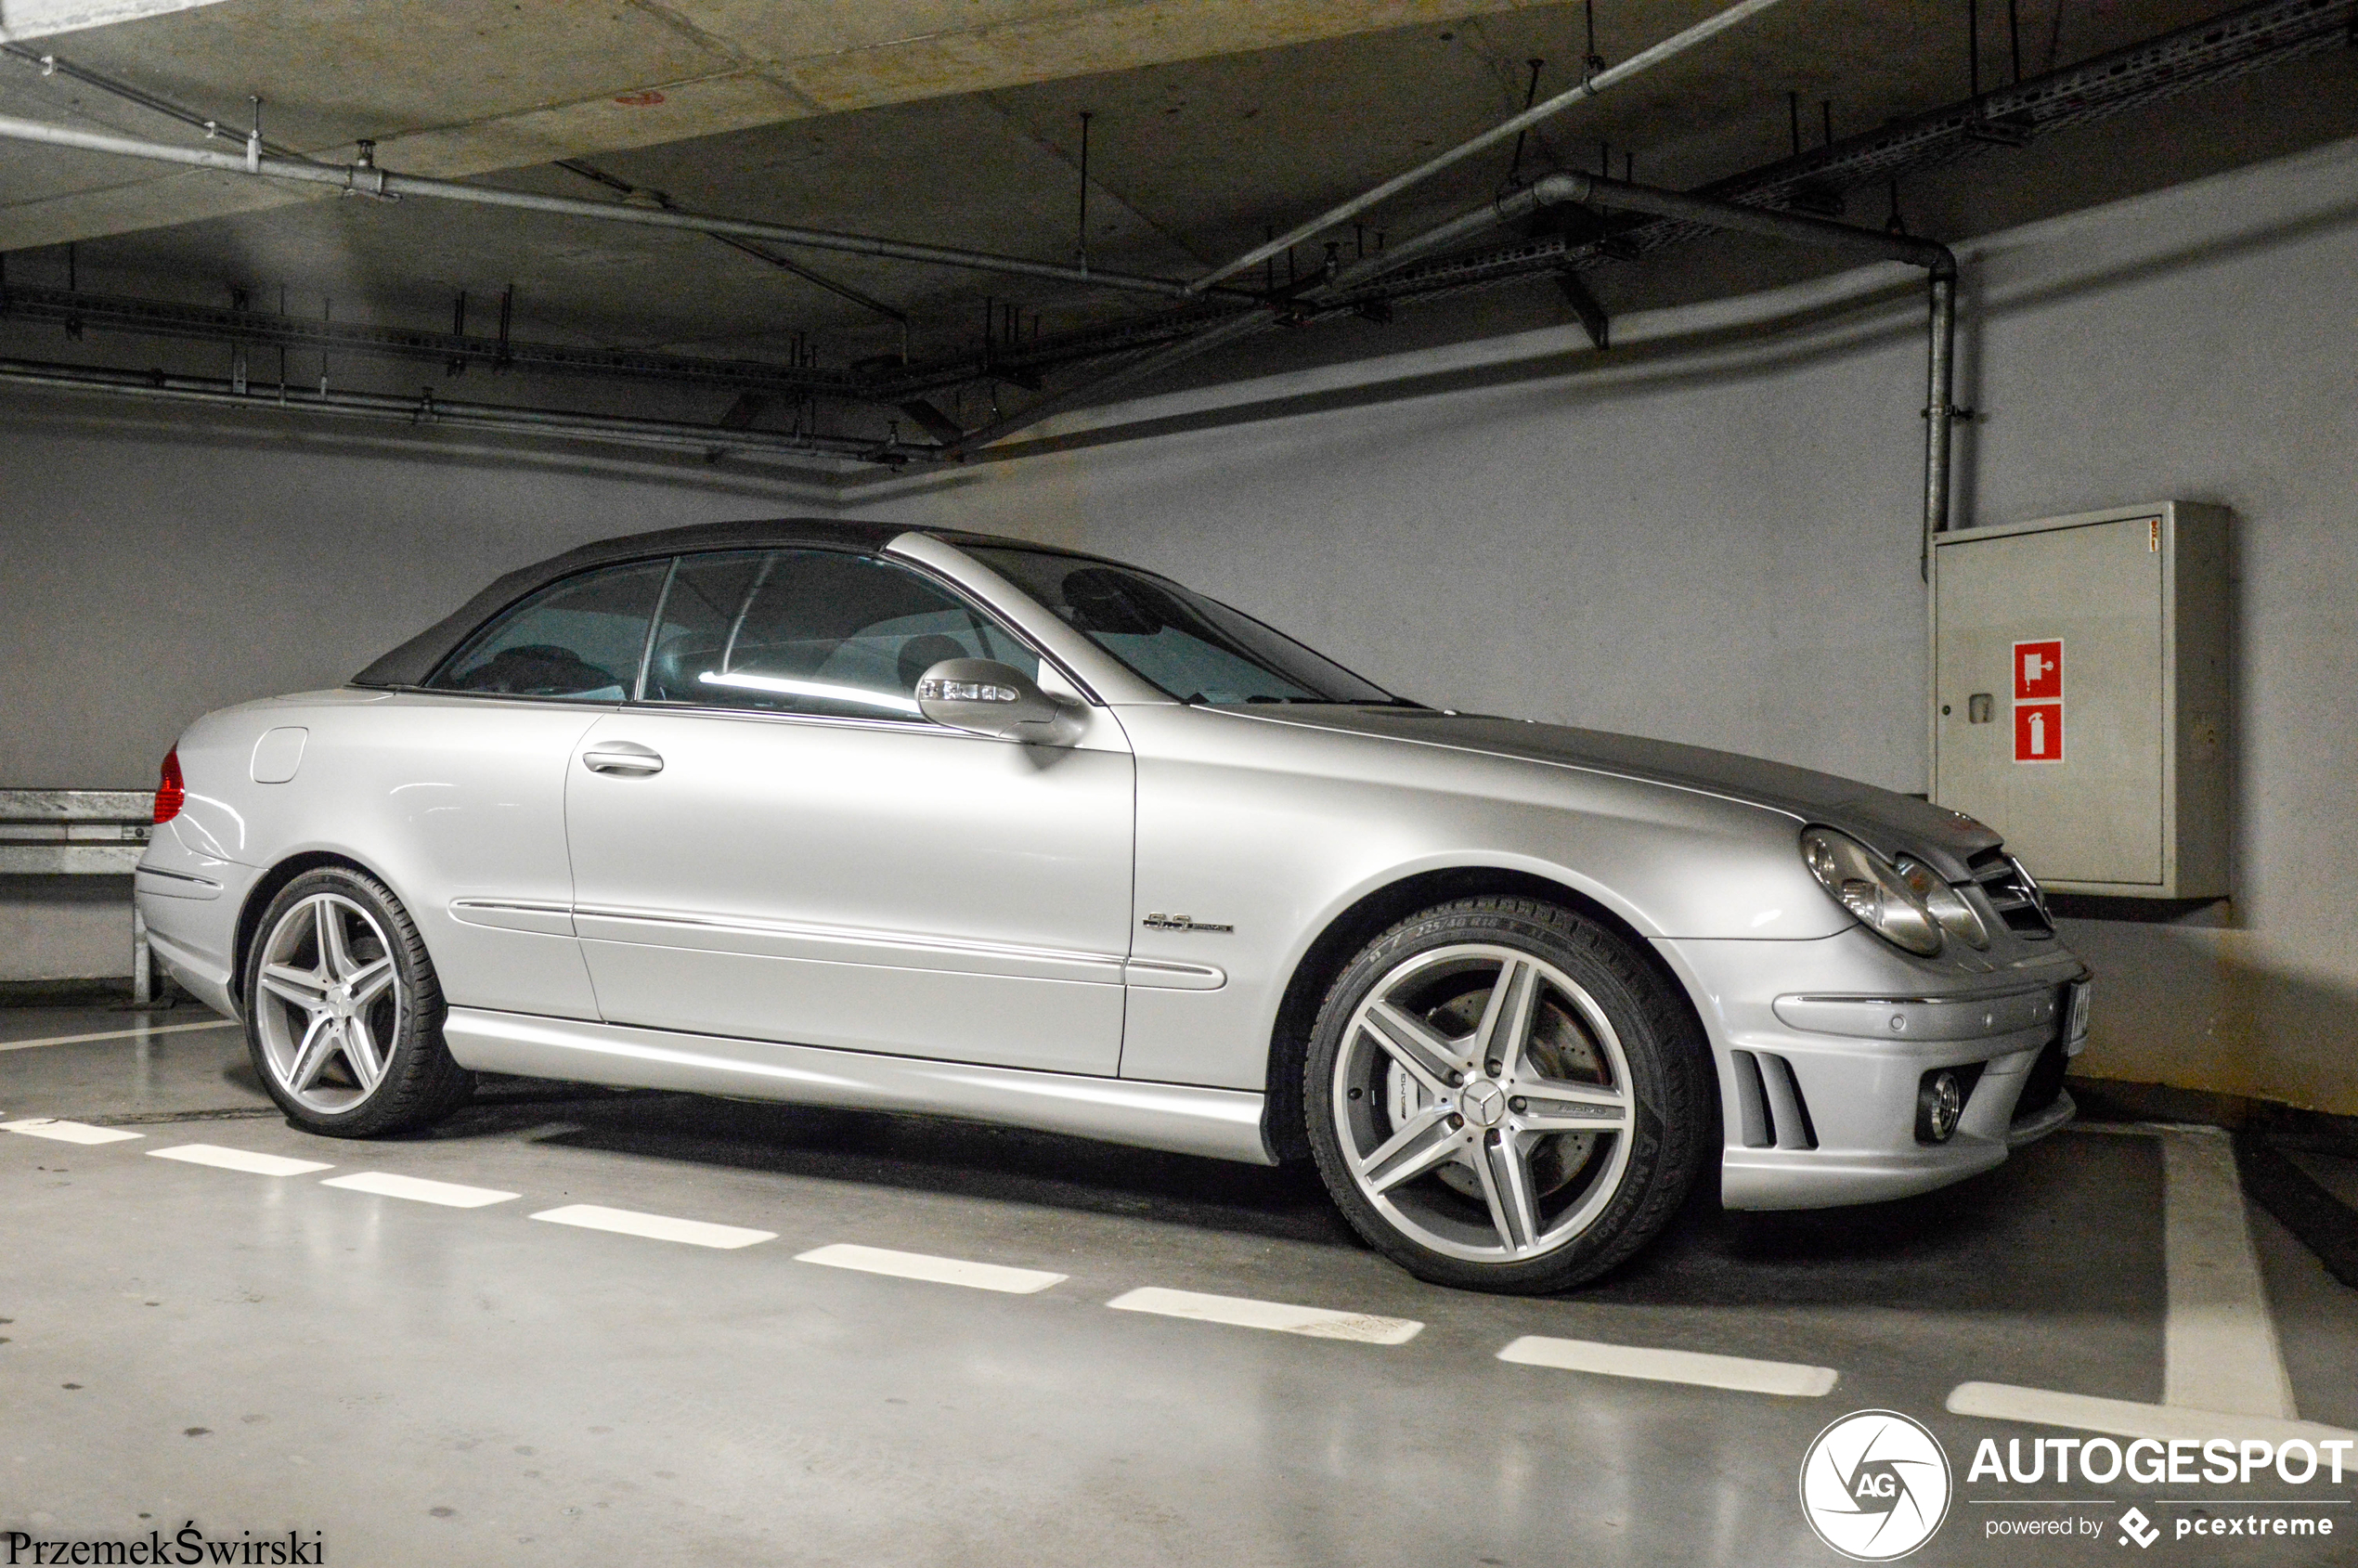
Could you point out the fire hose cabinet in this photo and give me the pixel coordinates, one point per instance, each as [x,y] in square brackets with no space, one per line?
[2079,695]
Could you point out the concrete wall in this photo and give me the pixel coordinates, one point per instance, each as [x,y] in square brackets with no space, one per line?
[1707,535]
[153,569]
[1710,534]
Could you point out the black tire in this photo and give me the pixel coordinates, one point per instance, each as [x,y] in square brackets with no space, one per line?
[1598,1013]
[399,1034]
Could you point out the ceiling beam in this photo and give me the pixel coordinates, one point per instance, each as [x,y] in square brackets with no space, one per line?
[760,64]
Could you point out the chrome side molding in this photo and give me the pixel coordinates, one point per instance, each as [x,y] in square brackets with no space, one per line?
[514,915]
[1164,974]
[1216,1124]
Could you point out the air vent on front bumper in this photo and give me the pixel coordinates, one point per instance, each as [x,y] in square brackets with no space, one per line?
[2044,1082]
[2012,893]
[1768,1100]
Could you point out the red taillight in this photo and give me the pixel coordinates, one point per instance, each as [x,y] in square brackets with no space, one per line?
[170,789]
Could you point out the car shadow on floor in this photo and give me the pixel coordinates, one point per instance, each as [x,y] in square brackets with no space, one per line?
[2072,1223]
[913,1153]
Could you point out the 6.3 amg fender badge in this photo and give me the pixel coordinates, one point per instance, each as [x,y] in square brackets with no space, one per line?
[1181,923]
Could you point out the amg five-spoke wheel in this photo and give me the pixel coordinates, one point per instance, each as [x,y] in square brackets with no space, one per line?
[1524,1114]
[1503,1094]
[330,1004]
[344,1016]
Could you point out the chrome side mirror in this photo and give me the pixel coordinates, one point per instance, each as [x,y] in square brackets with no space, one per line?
[985,697]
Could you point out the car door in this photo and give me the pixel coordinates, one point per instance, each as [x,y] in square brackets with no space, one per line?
[465,780]
[774,844]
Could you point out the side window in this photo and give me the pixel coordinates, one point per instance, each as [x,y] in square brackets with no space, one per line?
[578,638]
[812,631]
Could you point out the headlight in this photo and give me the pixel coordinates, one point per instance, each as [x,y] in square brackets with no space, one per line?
[1944,903]
[1875,892]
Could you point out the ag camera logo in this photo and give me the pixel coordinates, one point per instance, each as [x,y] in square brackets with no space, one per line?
[1876,1486]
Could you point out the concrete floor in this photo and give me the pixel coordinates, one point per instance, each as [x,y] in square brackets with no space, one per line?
[425,1383]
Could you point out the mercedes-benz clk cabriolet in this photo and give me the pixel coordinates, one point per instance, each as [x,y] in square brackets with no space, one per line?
[911,820]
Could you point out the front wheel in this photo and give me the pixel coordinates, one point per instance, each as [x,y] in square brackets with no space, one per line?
[1503,1094]
[344,1016]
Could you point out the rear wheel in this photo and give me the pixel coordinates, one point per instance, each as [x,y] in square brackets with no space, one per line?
[1503,1094]
[343,1014]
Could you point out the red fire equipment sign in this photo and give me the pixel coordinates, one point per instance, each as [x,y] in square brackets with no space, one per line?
[2038,671]
[2038,732]
[2039,709]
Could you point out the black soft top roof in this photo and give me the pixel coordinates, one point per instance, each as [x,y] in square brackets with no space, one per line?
[414,660]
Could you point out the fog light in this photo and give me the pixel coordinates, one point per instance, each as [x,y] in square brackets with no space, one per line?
[1939,1102]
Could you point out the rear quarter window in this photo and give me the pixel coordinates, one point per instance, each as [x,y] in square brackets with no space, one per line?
[580,638]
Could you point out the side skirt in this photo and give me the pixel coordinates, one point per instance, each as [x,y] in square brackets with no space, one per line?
[1218,1123]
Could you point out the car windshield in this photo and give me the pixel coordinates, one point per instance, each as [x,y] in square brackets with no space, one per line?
[1194,648]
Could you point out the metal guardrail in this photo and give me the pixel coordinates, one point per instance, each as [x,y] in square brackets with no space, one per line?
[82,833]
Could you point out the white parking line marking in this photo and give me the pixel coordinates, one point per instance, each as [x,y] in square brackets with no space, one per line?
[116,1034]
[384,1183]
[2123,1418]
[940,1271]
[2220,1347]
[67,1132]
[238,1159]
[1741,1373]
[2222,1373]
[1317,1322]
[654,1227]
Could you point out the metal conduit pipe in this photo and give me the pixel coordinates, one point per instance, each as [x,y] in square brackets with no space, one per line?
[1252,322]
[1592,190]
[1558,190]
[49,64]
[1646,59]
[365,180]
[1940,410]
[1940,351]
[258,329]
[2249,38]
[1237,328]
[669,434]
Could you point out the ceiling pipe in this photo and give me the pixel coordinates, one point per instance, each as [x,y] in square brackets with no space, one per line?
[1647,59]
[1938,260]
[1252,322]
[50,64]
[169,318]
[1237,328]
[365,178]
[663,199]
[707,440]
[2248,38]
[1265,314]
[1595,191]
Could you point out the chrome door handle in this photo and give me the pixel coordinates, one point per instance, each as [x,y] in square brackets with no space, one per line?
[622,757]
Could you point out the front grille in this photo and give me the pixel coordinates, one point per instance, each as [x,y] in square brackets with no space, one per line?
[2012,893]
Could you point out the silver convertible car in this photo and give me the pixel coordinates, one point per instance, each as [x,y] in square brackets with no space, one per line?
[859,815]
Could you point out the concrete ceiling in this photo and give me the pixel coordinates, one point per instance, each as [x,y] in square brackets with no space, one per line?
[956,122]
[457,87]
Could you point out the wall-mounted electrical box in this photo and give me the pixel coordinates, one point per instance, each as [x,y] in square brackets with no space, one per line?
[2079,695]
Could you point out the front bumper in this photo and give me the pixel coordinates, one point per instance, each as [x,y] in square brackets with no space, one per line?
[1822,1047]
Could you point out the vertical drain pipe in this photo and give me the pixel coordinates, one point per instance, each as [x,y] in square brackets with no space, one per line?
[1940,415]
[1940,412]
